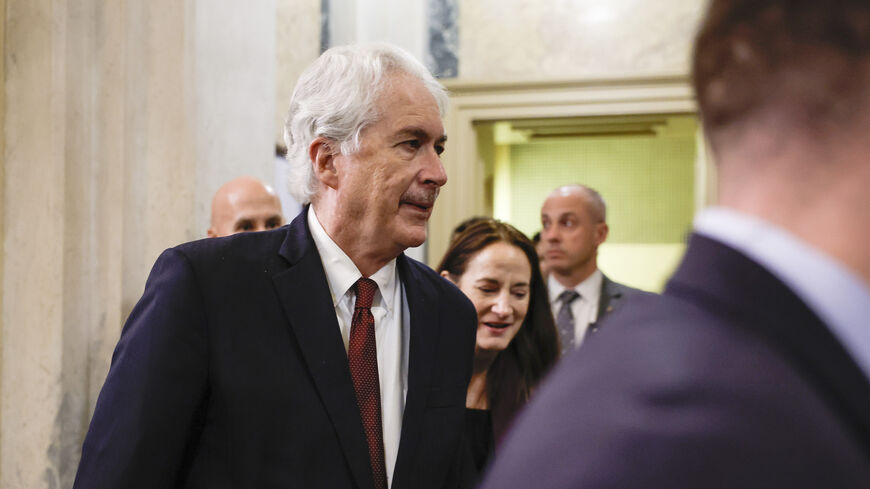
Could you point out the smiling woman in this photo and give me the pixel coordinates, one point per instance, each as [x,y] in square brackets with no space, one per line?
[496,266]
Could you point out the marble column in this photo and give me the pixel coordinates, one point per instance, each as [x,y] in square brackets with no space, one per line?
[119,121]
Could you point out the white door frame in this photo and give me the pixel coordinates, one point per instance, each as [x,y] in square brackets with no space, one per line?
[474,101]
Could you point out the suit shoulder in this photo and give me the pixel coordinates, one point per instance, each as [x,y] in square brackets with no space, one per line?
[684,392]
[625,290]
[242,247]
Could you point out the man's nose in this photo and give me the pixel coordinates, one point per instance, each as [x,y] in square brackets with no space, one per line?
[433,170]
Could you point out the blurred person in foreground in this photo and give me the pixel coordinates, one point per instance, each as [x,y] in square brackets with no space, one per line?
[244,204]
[752,369]
[496,266]
[316,354]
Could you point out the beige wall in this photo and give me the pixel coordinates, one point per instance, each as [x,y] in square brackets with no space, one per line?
[543,39]
[119,119]
[298,44]
[2,196]
[527,58]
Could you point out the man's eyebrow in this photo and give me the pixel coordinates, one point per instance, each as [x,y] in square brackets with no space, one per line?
[420,133]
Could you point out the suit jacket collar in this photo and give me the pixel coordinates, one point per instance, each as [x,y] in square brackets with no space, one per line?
[725,281]
[422,305]
[304,293]
[610,293]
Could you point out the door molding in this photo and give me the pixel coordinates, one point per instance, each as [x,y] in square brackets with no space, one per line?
[477,101]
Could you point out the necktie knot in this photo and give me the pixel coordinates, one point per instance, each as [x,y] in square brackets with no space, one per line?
[568,296]
[365,292]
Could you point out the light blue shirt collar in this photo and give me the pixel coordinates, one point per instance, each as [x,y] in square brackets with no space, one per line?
[839,297]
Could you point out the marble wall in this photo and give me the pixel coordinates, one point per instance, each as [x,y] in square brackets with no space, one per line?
[297,41]
[119,121]
[541,39]
[443,55]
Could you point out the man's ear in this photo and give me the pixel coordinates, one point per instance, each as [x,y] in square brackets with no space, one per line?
[322,152]
[601,231]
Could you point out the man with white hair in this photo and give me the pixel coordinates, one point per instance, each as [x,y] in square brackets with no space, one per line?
[317,354]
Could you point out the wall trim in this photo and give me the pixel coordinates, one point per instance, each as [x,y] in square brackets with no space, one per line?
[473,101]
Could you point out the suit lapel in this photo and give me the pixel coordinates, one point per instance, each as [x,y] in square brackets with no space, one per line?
[733,286]
[424,338]
[608,294]
[305,297]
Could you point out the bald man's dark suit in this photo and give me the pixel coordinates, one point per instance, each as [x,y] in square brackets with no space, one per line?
[727,380]
[231,372]
[613,294]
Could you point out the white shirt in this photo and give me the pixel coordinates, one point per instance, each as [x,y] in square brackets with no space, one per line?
[392,326]
[839,297]
[584,308]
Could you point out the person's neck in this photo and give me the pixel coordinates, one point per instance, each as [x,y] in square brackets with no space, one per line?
[827,209]
[476,397]
[572,278]
[367,259]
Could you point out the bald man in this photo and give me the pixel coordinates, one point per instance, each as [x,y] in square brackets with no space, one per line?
[574,225]
[244,204]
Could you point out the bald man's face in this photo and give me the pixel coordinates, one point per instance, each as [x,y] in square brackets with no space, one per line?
[244,206]
[571,233]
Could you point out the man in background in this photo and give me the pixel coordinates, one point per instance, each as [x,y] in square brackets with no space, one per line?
[574,224]
[244,204]
[752,370]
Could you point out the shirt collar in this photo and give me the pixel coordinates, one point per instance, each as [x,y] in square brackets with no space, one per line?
[839,297]
[588,288]
[342,273]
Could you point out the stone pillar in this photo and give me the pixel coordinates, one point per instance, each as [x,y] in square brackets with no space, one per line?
[234,99]
[119,119]
[33,244]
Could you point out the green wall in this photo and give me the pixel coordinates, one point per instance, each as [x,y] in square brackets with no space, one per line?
[647,182]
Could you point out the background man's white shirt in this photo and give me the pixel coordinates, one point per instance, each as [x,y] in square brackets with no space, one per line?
[584,308]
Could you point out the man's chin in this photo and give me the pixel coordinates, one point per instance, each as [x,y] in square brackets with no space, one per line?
[413,237]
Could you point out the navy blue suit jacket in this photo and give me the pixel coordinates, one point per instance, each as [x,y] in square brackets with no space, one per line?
[727,380]
[231,373]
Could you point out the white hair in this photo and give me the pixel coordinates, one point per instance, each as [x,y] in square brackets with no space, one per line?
[336,98]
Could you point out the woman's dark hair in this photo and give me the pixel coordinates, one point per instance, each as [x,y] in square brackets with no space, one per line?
[517,370]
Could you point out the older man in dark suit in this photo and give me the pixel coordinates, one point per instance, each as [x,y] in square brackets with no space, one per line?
[315,355]
[752,369]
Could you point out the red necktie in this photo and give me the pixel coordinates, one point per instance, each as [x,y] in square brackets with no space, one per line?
[362,355]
